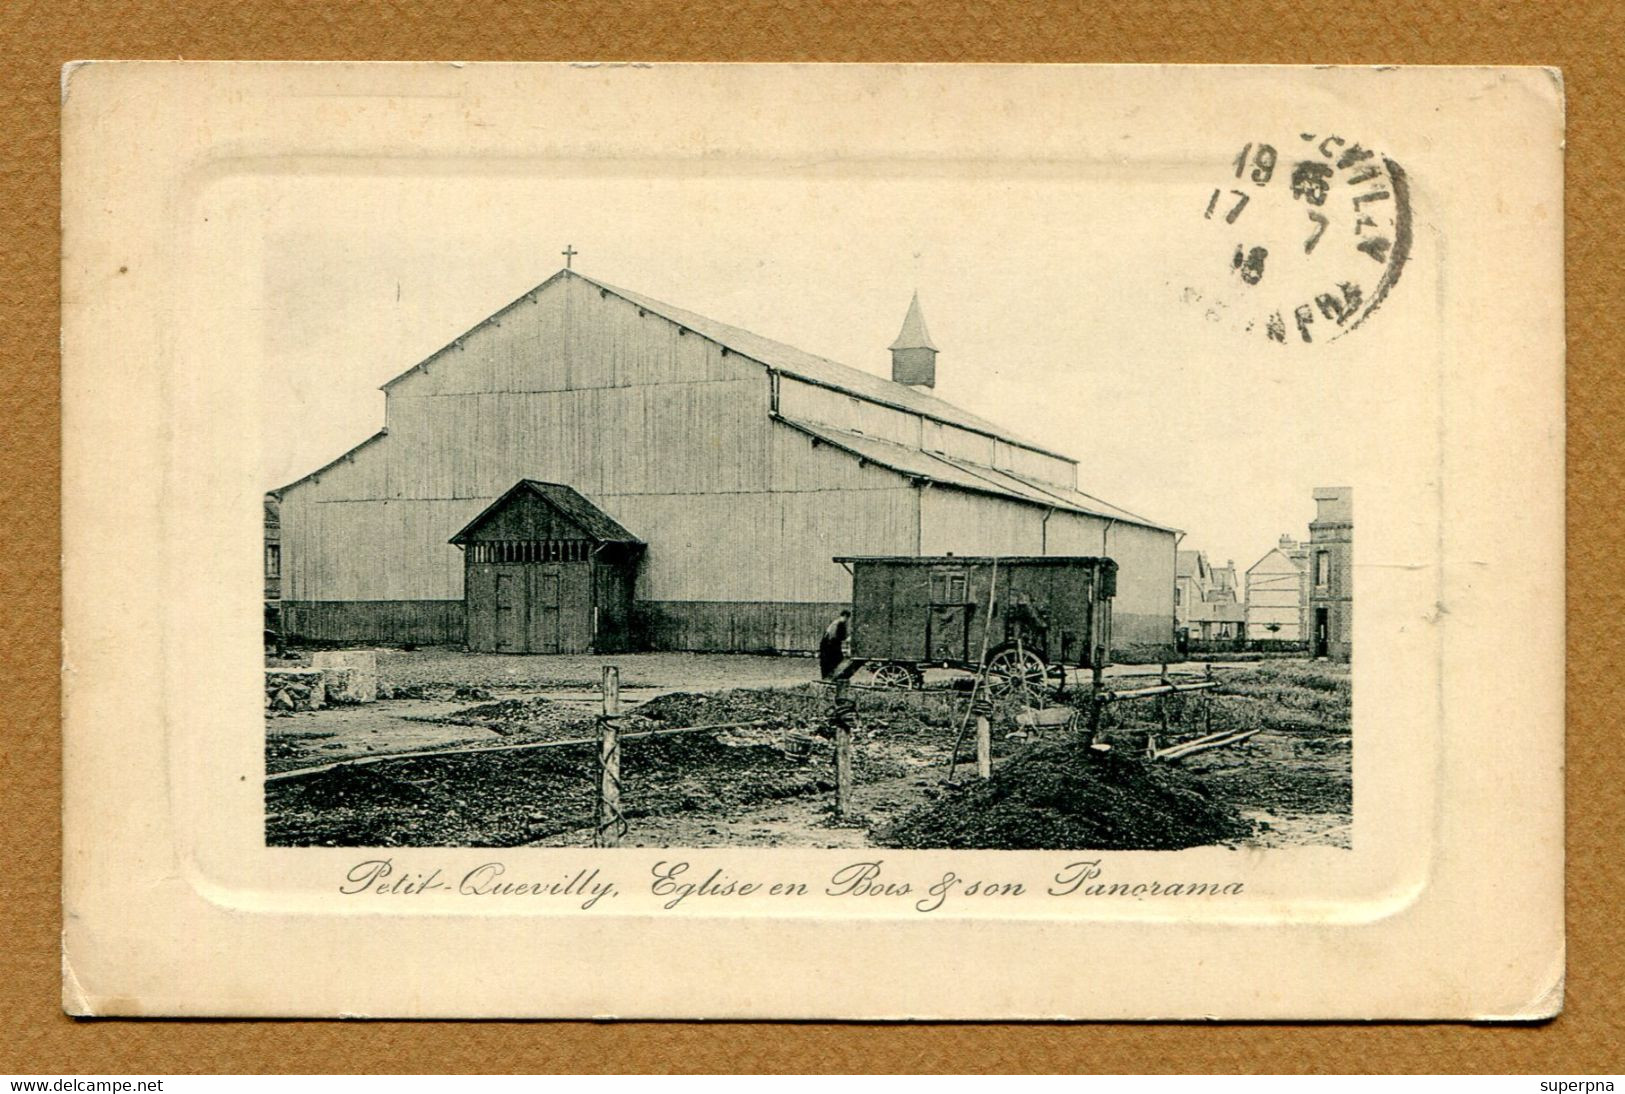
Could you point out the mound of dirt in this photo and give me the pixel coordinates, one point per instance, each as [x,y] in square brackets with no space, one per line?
[348,786]
[508,798]
[792,707]
[534,716]
[1057,796]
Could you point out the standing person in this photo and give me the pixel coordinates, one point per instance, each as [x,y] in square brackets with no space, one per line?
[1026,624]
[831,646]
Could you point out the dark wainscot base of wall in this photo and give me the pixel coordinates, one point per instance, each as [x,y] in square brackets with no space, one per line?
[378,622]
[1249,645]
[699,625]
[722,626]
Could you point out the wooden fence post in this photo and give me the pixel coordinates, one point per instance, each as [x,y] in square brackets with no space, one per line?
[1208,699]
[984,747]
[1097,679]
[609,822]
[841,724]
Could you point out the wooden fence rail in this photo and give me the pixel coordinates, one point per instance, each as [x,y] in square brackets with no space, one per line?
[609,819]
[478,750]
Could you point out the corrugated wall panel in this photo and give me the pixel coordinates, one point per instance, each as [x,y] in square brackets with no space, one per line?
[973,524]
[1074,534]
[820,405]
[798,463]
[970,524]
[375,550]
[570,337]
[761,546]
[836,408]
[959,443]
[814,527]
[648,439]
[361,474]
[1024,461]
[1143,612]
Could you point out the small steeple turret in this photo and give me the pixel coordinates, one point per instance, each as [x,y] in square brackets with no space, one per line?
[913,354]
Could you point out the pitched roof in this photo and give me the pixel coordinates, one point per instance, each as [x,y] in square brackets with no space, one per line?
[1295,563]
[914,335]
[592,520]
[791,361]
[821,370]
[946,470]
[378,436]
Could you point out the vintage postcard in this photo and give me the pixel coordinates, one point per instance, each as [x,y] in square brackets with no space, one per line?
[785,541]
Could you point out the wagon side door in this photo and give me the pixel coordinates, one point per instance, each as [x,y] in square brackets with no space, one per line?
[947,622]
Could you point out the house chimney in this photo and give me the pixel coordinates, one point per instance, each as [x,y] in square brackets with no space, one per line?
[913,356]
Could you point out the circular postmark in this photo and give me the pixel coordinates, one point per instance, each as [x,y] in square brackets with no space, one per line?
[1303,239]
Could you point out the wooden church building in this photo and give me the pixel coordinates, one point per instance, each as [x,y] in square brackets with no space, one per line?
[590,469]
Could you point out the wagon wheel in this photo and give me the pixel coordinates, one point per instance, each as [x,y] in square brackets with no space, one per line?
[1057,679]
[1018,674]
[895,674]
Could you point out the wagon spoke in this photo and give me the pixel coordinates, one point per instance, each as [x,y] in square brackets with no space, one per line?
[1018,672]
[891,674]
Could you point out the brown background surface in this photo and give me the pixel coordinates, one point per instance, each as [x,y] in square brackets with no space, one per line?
[39,36]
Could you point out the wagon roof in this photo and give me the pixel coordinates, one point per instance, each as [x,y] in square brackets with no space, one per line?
[961,560]
[596,523]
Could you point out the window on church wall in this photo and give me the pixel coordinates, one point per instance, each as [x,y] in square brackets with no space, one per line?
[1323,567]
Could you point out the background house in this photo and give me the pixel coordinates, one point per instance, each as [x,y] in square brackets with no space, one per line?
[1331,574]
[1192,579]
[273,550]
[1277,594]
[742,465]
[1206,605]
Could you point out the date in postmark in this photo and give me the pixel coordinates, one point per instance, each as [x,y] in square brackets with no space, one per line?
[1304,238]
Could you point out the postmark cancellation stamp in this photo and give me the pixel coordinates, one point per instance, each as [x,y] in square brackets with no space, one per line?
[1304,238]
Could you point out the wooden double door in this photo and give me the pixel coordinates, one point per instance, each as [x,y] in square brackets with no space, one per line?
[532,607]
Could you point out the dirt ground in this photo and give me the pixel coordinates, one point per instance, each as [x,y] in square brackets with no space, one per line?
[749,786]
[435,684]
[552,672]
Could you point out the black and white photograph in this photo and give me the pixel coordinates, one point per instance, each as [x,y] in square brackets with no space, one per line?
[578,520]
[612,571]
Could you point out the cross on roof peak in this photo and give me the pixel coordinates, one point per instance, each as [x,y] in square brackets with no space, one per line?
[569,253]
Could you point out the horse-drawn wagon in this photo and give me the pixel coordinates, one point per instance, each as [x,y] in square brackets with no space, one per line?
[1026,619]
